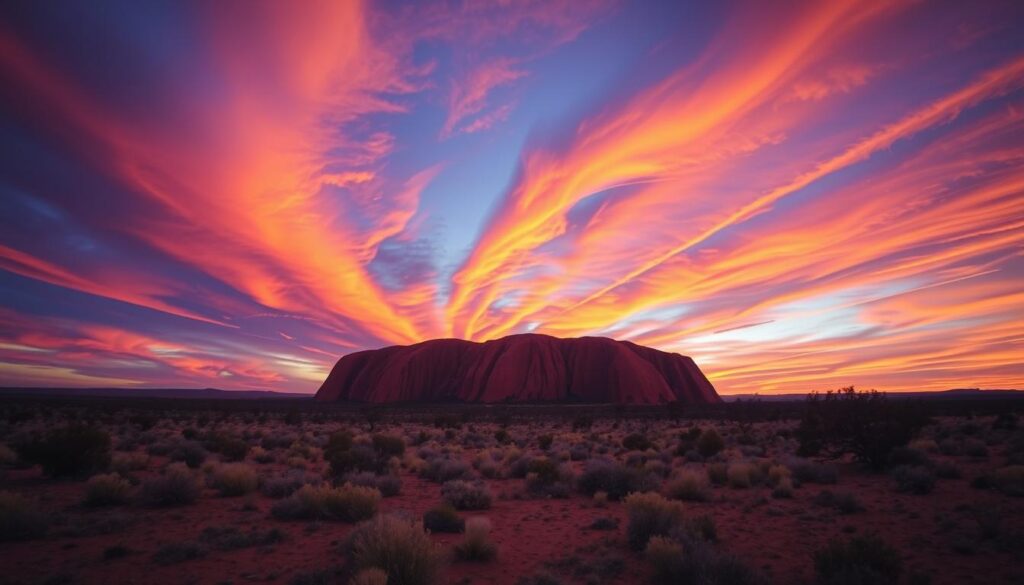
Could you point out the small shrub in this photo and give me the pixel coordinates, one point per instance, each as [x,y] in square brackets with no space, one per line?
[777,473]
[650,515]
[710,443]
[739,475]
[191,453]
[476,544]
[443,518]
[694,561]
[914,479]
[396,546]
[347,503]
[690,486]
[20,519]
[125,463]
[666,557]
[285,485]
[544,442]
[783,489]
[805,471]
[70,451]
[177,486]
[388,446]
[1009,480]
[106,490]
[602,475]
[502,437]
[636,442]
[546,477]
[358,458]
[235,479]
[861,560]
[718,473]
[441,470]
[230,448]
[464,495]
[388,485]
[370,577]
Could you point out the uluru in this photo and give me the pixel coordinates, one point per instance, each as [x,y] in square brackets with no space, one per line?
[525,368]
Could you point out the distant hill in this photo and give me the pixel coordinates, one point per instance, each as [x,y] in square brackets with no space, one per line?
[182,393]
[954,394]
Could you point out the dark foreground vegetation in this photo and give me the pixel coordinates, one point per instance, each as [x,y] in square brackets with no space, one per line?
[843,488]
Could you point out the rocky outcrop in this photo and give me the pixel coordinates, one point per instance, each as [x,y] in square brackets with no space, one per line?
[518,368]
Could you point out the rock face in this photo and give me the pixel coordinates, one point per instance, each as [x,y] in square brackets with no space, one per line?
[518,368]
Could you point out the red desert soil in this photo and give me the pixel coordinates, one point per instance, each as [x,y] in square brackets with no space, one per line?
[774,535]
[518,368]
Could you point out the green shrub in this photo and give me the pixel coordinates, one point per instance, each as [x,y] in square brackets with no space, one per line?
[636,442]
[783,489]
[440,470]
[666,557]
[710,443]
[20,519]
[740,474]
[191,453]
[695,561]
[863,560]
[650,515]
[464,495]
[177,486]
[230,448]
[1009,480]
[358,458]
[389,445]
[544,442]
[106,490]
[616,480]
[125,463]
[347,503]
[389,485]
[70,451]
[235,479]
[443,518]
[398,547]
[689,485]
[476,544]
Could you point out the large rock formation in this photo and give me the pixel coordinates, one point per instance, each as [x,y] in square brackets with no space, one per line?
[518,368]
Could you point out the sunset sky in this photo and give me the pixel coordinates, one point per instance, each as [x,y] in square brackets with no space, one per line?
[800,196]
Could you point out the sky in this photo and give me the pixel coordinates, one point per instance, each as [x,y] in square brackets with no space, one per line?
[799,195]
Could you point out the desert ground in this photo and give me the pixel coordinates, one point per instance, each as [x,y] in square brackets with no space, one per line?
[118,492]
